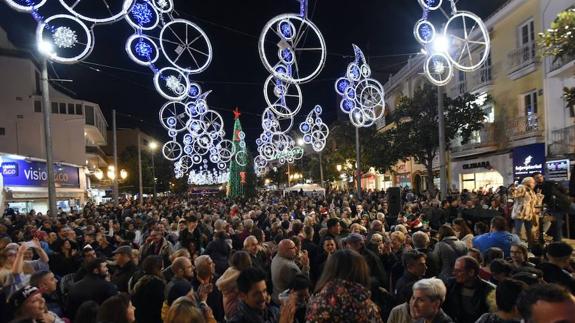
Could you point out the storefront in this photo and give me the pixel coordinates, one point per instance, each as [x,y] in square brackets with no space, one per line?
[24,184]
[375,181]
[482,173]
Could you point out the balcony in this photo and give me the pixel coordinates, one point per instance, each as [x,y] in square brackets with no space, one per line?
[562,141]
[524,127]
[481,78]
[522,61]
[481,142]
[562,67]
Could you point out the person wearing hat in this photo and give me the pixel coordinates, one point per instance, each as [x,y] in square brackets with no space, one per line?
[124,268]
[555,269]
[27,304]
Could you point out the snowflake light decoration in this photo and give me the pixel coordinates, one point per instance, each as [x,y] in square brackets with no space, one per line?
[144,49]
[64,37]
[314,130]
[174,84]
[142,13]
[162,3]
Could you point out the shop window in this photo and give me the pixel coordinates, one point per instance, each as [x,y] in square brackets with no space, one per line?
[37,106]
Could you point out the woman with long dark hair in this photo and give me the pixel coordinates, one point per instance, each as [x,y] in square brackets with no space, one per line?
[342,291]
[117,309]
[148,292]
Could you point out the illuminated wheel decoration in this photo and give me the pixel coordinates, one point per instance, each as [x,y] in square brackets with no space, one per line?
[25,5]
[171,83]
[459,31]
[173,116]
[163,6]
[289,39]
[226,149]
[424,32]
[314,130]
[212,122]
[143,16]
[172,150]
[362,97]
[438,69]
[66,39]
[431,4]
[242,158]
[186,46]
[277,92]
[98,11]
[142,50]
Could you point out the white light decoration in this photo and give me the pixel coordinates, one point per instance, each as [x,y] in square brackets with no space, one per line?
[64,37]
[66,25]
[463,35]
[25,5]
[172,150]
[314,130]
[163,6]
[186,46]
[172,83]
[362,97]
[173,116]
[108,11]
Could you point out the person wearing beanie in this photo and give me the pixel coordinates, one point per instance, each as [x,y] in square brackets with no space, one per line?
[556,268]
[27,304]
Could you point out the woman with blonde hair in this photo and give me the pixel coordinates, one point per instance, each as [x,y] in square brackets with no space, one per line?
[524,212]
[184,310]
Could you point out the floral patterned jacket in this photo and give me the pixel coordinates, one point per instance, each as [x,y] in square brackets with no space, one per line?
[343,301]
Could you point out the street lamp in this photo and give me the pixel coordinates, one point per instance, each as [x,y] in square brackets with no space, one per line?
[300,142]
[441,44]
[123,174]
[153,146]
[338,167]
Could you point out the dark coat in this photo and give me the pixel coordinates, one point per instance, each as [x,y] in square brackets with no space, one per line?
[454,307]
[91,288]
[148,298]
[219,251]
[554,274]
[121,276]
[403,287]
[245,314]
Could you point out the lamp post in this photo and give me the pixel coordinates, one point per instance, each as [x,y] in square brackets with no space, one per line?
[46,48]
[357,164]
[115,190]
[153,146]
[441,44]
[140,183]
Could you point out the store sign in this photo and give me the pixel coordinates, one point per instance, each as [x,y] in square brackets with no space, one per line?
[484,164]
[557,170]
[34,174]
[528,160]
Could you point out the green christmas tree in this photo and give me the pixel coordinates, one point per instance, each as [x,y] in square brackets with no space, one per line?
[242,177]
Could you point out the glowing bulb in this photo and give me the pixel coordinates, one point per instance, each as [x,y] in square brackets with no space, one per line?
[46,47]
[441,44]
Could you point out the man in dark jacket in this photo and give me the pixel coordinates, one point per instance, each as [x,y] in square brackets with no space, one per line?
[253,306]
[557,201]
[467,294]
[415,266]
[555,269]
[93,287]
[124,269]
[191,234]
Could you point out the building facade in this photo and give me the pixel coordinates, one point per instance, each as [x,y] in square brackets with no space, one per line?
[78,131]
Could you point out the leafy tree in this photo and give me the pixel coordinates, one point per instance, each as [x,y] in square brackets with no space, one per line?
[128,160]
[416,132]
[559,42]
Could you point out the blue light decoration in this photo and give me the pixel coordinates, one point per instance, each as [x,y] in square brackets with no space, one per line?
[314,130]
[362,96]
[142,13]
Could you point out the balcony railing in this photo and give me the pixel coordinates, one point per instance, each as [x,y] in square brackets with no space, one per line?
[522,57]
[524,126]
[560,62]
[482,138]
[563,141]
[481,78]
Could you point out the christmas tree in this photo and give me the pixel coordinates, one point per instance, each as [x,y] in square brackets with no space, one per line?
[241,182]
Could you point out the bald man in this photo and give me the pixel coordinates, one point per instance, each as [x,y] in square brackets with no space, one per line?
[284,268]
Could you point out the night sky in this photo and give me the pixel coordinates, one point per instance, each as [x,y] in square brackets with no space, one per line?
[382,28]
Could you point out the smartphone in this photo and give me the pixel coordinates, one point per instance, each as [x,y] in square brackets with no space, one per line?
[29,244]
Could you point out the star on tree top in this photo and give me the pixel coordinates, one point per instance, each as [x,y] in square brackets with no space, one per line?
[236,113]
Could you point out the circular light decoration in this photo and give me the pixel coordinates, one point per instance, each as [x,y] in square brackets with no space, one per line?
[212,122]
[143,15]
[64,39]
[172,150]
[98,11]
[25,5]
[438,69]
[173,116]
[291,38]
[278,92]
[424,32]
[186,46]
[314,130]
[431,4]
[362,97]
[163,6]
[171,83]
[460,32]
[241,158]
[142,49]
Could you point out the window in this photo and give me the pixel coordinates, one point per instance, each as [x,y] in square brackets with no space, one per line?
[489,113]
[62,108]
[89,110]
[54,107]
[38,87]
[71,109]
[79,109]
[527,33]
[2,131]
[530,103]
[461,84]
[37,106]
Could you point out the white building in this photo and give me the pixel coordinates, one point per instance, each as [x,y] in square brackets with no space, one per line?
[78,129]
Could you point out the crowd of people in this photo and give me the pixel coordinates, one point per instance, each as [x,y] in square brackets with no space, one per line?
[293,258]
